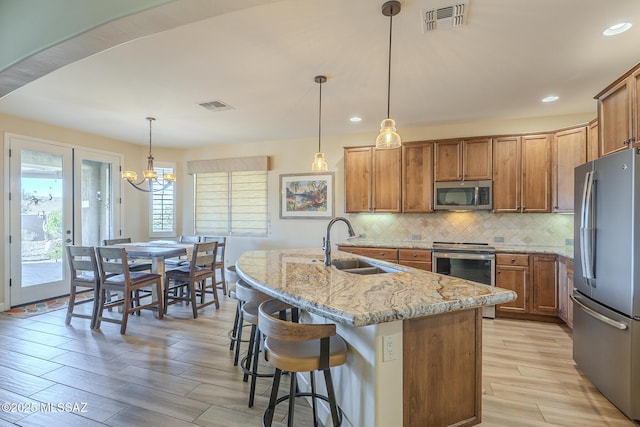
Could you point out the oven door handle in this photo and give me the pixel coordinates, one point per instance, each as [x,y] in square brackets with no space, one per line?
[467,255]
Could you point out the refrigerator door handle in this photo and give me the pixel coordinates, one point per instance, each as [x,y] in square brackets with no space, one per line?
[601,317]
[586,234]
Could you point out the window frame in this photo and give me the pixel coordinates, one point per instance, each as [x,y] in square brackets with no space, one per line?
[161,167]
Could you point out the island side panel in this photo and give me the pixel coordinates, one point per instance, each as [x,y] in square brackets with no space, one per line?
[443,369]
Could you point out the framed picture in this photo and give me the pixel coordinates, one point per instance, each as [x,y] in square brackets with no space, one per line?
[306,196]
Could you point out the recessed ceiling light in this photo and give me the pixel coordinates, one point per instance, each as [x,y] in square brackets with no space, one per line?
[355,119]
[617,29]
[550,98]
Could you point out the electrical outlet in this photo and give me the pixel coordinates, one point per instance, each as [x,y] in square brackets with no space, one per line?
[498,239]
[389,348]
[415,237]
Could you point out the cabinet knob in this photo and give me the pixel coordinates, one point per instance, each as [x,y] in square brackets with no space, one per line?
[513,260]
[499,271]
[415,255]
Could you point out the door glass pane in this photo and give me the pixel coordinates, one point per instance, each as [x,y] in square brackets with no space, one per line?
[41,217]
[96,198]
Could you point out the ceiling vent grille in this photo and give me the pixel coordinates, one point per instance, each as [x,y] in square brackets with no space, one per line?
[216,106]
[442,18]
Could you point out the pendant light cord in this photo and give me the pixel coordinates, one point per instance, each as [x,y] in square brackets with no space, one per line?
[389,72]
[150,121]
[319,117]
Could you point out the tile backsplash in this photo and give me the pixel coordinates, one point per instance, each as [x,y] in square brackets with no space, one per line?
[484,227]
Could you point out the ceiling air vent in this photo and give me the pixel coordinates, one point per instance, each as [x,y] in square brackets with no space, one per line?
[445,17]
[216,106]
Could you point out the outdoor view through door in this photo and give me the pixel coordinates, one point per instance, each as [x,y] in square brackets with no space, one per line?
[42,213]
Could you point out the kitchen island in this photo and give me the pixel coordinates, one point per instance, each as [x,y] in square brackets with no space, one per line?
[414,337]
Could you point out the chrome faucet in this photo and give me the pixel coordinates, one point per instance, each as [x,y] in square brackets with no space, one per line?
[326,241]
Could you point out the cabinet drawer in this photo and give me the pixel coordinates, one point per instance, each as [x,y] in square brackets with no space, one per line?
[512,259]
[414,255]
[420,265]
[387,254]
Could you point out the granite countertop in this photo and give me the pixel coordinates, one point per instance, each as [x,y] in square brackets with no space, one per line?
[298,276]
[565,251]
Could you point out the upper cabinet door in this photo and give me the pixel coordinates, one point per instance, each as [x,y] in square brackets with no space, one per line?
[615,118]
[506,174]
[387,180]
[569,151]
[448,160]
[417,177]
[477,159]
[536,173]
[358,165]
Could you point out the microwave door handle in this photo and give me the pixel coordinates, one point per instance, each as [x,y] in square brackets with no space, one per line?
[476,195]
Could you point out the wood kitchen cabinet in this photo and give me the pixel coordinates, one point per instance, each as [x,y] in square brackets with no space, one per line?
[565,289]
[569,150]
[463,160]
[522,174]
[417,177]
[512,272]
[544,275]
[372,179]
[416,258]
[534,278]
[385,254]
[619,113]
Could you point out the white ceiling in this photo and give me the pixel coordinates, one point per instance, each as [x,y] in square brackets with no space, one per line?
[262,61]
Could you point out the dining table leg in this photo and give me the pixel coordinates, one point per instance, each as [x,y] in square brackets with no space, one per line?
[157,266]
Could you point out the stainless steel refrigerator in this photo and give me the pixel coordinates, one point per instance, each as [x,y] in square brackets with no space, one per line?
[606,317]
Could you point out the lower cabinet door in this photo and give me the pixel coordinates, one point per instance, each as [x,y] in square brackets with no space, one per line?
[514,278]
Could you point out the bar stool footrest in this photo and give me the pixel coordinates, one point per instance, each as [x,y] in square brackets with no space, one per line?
[303,394]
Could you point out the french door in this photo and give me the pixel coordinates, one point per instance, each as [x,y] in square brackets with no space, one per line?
[59,196]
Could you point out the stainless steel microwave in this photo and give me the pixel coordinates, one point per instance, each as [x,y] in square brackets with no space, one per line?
[463,195]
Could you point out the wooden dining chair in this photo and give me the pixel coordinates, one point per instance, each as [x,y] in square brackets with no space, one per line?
[84,275]
[193,279]
[134,265]
[170,263]
[219,265]
[115,275]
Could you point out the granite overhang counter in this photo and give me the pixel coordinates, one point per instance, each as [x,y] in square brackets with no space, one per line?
[414,337]
[298,277]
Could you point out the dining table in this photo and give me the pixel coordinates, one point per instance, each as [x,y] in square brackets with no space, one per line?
[157,251]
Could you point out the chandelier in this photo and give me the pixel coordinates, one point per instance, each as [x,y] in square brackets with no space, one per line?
[150,175]
[388,137]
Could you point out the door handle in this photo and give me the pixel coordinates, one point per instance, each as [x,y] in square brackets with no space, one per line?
[68,241]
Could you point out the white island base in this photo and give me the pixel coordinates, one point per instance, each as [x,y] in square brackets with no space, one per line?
[429,374]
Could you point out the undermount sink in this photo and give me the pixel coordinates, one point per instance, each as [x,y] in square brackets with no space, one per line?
[358,266]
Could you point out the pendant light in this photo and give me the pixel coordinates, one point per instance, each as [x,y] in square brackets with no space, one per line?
[319,164]
[388,137]
[150,175]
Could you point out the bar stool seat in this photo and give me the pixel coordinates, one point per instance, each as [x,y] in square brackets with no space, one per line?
[299,347]
[303,356]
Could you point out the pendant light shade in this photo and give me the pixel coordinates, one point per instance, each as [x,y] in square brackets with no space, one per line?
[319,163]
[388,137]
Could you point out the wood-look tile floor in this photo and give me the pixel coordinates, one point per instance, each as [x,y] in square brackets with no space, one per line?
[179,372]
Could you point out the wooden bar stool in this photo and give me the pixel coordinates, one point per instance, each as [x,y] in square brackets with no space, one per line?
[298,347]
[251,299]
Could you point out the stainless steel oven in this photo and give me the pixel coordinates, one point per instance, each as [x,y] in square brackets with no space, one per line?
[470,261]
